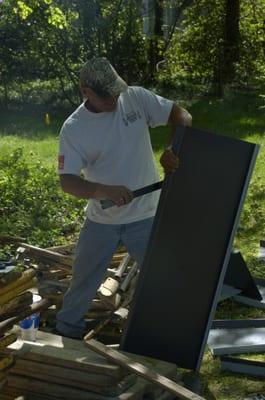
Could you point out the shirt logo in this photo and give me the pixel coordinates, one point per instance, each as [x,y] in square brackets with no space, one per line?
[61,161]
[131,117]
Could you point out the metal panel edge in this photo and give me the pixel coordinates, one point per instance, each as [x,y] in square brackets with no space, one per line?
[227,255]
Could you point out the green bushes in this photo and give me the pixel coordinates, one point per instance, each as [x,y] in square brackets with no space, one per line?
[33,205]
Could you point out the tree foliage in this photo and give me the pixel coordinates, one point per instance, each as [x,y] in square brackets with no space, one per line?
[50,39]
[219,42]
[215,42]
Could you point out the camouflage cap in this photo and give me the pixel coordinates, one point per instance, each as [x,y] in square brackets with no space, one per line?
[102,78]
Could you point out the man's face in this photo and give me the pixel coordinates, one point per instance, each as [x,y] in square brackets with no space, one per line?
[100,104]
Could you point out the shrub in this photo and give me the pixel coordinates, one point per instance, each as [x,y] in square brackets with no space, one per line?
[32,204]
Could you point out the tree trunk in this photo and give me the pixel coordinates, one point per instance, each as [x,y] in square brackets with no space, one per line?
[218,82]
[231,39]
[6,99]
[158,33]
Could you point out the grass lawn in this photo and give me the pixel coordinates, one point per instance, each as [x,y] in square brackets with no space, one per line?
[29,131]
[238,116]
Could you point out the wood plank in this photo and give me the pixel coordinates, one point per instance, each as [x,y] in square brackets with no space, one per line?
[26,276]
[141,370]
[10,393]
[9,277]
[35,307]
[45,367]
[7,340]
[4,239]
[48,254]
[60,391]
[58,350]
[77,360]
[10,295]
[141,390]
[18,300]
[114,389]
[68,248]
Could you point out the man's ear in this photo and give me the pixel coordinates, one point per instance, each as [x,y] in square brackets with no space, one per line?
[86,91]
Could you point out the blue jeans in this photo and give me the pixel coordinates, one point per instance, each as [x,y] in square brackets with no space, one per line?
[95,248]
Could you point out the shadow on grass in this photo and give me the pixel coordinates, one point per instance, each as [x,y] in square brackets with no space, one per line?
[29,125]
[239,116]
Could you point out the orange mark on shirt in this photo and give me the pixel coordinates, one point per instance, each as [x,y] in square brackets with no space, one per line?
[61,161]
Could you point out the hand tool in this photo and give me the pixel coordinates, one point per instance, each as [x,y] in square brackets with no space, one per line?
[107,203]
[180,131]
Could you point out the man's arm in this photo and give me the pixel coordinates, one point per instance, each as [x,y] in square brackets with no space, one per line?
[177,116]
[83,189]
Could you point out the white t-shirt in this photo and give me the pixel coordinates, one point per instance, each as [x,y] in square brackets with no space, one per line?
[114,148]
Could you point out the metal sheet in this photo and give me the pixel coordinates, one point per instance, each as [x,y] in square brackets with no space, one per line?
[182,276]
[251,302]
[238,323]
[238,276]
[236,341]
[243,366]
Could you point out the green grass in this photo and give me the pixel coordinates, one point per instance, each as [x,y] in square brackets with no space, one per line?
[30,132]
[238,116]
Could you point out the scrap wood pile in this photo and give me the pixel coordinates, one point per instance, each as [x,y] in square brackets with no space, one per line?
[62,368]
[32,374]
[16,302]
[110,307]
[48,273]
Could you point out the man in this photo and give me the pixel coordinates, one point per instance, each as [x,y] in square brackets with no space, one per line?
[107,139]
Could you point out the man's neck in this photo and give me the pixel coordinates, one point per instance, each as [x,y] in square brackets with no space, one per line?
[90,107]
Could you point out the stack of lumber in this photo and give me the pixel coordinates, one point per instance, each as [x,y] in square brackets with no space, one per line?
[109,308]
[49,271]
[15,305]
[16,299]
[6,359]
[61,368]
[14,296]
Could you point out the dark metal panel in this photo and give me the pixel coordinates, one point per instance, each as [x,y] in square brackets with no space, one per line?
[243,366]
[238,276]
[238,323]
[252,302]
[190,245]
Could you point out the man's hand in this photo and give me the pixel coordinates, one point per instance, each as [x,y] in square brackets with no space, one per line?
[79,187]
[169,161]
[120,195]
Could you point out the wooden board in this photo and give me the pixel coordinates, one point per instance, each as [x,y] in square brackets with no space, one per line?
[59,350]
[182,275]
[34,308]
[46,367]
[76,354]
[141,390]
[65,380]
[142,370]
